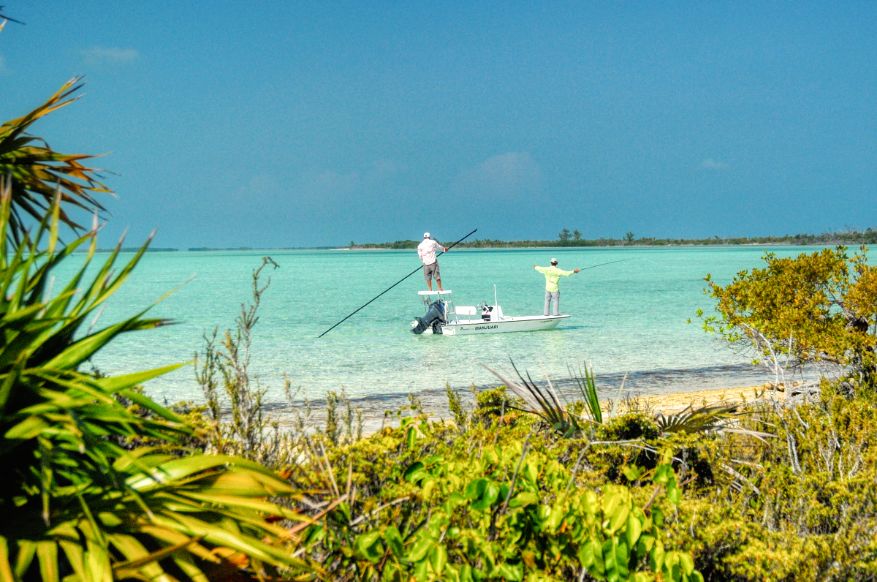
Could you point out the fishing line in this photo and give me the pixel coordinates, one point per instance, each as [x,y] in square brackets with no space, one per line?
[601,264]
[393,285]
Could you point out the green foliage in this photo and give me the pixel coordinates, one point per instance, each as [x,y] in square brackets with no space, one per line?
[517,501]
[564,236]
[798,506]
[586,383]
[628,427]
[702,419]
[430,505]
[343,421]
[567,420]
[36,173]
[332,429]
[455,406]
[544,402]
[503,515]
[494,405]
[817,307]
[75,500]
[223,372]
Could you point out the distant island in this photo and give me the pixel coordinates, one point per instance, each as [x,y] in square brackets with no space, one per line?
[567,238]
[574,238]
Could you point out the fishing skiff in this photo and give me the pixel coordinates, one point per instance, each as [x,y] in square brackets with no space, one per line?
[444,317]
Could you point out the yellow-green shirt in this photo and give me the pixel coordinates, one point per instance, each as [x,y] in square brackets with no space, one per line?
[552,274]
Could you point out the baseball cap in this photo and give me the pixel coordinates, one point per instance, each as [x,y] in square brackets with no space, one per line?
[553,261]
[426,235]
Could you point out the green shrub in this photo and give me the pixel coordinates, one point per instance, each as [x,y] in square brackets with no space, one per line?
[84,495]
[456,408]
[506,515]
[800,505]
[628,427]
[507,501]
[495,405]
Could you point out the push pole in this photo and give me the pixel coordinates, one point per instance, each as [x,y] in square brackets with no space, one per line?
[355,311]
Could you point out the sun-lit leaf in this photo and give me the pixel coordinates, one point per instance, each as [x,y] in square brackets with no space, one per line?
[38,173]
[83,502]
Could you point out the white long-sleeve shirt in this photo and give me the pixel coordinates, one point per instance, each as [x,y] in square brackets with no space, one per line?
[427,249]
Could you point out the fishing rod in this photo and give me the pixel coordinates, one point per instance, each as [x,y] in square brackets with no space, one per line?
[393,285]
[601,264]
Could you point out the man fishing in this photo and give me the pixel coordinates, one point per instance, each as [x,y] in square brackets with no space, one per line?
[552,290]
[426,251]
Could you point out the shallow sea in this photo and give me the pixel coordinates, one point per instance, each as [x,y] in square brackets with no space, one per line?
[630,319]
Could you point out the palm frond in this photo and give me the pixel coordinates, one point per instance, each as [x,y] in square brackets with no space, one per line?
[36,173]
[541,401]
[77,501]
[708,418]
[587,384]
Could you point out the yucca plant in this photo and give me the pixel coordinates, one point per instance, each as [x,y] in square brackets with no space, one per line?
[76,503]
[544,402]
[39,173]
[709,418]
[586,382]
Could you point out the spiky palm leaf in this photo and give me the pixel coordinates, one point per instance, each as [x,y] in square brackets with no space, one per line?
[76,502]
[586,382]
[37,172]
[709,418]
[544,402]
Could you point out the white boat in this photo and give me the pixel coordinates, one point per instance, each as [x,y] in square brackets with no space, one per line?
[444,317]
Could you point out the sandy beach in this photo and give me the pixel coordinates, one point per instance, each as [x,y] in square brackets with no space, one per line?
[377,414]
[675,402]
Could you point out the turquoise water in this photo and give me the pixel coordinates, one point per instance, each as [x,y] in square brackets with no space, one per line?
[628,318]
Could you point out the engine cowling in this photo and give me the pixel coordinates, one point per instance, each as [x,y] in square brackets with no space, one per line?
[434,318]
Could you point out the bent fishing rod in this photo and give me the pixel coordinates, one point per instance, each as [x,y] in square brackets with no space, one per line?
[358,309]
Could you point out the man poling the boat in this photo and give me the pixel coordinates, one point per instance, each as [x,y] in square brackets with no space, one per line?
[375,298]
[426,251]
[552,289]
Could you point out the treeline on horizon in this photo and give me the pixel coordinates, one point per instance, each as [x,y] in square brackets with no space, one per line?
[573,238]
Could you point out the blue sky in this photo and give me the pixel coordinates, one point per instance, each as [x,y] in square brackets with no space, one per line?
[271,124]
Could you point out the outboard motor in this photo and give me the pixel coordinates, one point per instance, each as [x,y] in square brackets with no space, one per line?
[434,318]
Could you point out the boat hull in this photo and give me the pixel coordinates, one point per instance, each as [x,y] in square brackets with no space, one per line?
[504,325]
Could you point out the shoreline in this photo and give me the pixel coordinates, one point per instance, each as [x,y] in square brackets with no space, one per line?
[378,414]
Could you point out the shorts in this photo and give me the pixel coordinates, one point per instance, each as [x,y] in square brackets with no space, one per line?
[430,271]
